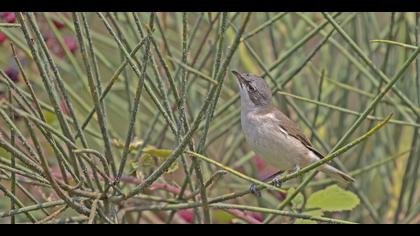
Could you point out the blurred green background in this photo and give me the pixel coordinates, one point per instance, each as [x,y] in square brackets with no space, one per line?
[323,77]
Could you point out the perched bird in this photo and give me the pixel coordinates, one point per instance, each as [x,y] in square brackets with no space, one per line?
[272,135]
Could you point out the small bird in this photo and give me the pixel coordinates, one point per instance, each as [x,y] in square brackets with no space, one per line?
[272,135]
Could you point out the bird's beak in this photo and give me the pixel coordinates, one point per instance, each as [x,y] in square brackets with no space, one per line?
[239,77]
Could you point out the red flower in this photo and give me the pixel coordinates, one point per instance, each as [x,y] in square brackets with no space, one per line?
[58,24]
[9,17]
[187,215]
[263,169]
[3,38]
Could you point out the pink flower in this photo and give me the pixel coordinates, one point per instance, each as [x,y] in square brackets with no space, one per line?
[259,163]
[257,215]
[13,73]
[55,47]
[187,215]
[64,107]
[8,17]
[71,43]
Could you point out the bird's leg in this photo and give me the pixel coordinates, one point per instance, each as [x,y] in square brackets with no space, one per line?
[276,182]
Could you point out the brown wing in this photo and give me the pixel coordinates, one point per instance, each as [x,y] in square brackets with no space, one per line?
[293,130]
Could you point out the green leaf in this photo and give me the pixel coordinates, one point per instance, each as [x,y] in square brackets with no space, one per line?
[161,153]
[151,152]
[222,217]
[333,198]
[172,168]
[50,117]
[4,153]
[297,201]
[312,213]
[134,145]
[134,165]
[146,160]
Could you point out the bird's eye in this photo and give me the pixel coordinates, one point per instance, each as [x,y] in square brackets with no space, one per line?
[250,88]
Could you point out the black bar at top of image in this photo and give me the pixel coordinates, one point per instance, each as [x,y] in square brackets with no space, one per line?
[208,5]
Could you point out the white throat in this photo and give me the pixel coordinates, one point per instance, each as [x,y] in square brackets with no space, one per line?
[247,105]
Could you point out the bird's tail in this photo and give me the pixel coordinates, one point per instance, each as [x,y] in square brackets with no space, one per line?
[336,174]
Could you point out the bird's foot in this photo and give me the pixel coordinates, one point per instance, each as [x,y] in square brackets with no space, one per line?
[277,182]
[254,190]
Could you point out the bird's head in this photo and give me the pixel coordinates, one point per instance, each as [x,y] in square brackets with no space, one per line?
[254,90]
